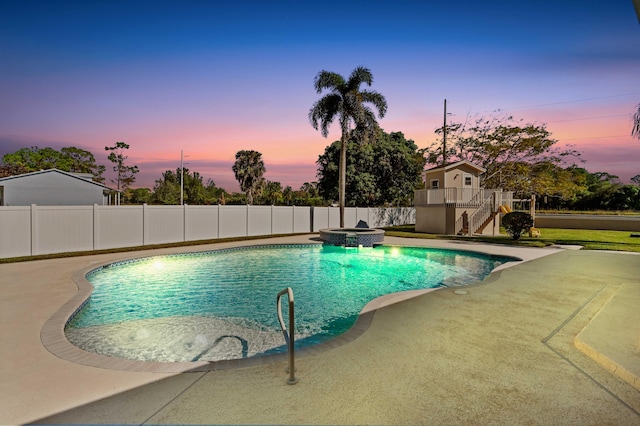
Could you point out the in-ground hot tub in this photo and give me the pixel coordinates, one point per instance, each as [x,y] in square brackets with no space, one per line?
[352,237]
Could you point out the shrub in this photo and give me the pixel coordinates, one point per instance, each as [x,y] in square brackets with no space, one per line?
[515,223]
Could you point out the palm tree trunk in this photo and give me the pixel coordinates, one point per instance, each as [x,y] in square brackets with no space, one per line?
[343,174]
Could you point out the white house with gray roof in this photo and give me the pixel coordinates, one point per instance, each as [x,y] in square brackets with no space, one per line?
[53,187]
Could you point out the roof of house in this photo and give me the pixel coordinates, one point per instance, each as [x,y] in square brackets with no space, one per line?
[450,166]
[80,176]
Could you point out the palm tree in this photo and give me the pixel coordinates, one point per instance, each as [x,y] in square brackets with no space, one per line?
[347,102]
[249,169]
[635,130]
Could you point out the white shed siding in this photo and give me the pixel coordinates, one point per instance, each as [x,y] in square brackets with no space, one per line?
[50,188]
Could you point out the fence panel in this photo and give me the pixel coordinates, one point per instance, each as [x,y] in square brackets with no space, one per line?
[259,220]
[233,221]
[320,218]
[163,224]
[302,219]
[118,226]
[283,220]
[31,230]
[334,217]
[15,231]
[59,229]
[201,223]
[350,217]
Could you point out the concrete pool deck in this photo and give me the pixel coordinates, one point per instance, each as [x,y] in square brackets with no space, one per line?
[552,340]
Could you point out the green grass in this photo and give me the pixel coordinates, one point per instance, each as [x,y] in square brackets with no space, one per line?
[589,239]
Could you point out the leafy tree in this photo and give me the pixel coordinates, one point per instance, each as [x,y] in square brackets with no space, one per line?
[214,195]
[249,170]
[386,172]
[517,156]
[606,192]
[138,195]
[167,189]
[311,188]
[7,170]
[82,161]
[515,223]
[272,193]
[346,102]
[69,159]
[636,180]
[125,175]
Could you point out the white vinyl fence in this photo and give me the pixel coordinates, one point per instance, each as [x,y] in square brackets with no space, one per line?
[33,230]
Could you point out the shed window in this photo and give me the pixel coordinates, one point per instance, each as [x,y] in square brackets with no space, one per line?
[467,179]
[435,184]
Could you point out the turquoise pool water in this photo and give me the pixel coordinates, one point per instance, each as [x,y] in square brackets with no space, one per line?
[221,304]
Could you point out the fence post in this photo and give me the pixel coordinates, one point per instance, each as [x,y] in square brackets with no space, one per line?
[144,223]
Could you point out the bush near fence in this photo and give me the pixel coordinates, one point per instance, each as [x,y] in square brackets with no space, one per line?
[33,230]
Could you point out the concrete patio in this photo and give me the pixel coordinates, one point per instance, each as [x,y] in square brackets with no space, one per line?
[554,339]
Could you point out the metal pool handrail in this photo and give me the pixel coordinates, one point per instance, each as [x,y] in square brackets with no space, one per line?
[288,337]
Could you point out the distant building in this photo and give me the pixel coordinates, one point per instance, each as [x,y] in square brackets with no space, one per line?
[54,187]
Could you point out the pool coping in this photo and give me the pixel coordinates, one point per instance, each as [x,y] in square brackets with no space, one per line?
[54,340]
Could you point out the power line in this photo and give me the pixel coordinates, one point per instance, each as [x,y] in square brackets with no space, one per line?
[576,101]
[596,137]
[590,118]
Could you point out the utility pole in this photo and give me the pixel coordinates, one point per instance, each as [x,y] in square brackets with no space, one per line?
[444,135]
[181,178]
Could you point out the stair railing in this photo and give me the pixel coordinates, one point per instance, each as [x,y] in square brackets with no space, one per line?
[485,210]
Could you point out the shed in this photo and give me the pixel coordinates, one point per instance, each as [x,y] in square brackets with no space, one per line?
[52,187]
[454,201]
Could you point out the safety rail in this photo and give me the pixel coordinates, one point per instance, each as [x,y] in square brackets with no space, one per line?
[288,336]
[477,219]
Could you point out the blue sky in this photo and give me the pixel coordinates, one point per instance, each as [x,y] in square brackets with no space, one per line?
[212,78]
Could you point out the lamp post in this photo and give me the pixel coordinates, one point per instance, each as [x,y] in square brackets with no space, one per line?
[181,178]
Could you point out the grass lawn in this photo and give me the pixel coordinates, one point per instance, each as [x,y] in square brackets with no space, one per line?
[589,239]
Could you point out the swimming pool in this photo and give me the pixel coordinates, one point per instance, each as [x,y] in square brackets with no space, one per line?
[220,304]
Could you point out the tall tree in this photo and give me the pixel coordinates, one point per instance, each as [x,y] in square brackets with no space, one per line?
[386,172]
[516,155]
[249,170]
[349,104]
[125,175]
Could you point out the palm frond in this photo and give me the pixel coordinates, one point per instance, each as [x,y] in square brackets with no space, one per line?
[328,80]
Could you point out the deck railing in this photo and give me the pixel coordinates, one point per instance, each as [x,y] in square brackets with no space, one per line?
[459,197]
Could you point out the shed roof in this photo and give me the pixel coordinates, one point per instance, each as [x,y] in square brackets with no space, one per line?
[457,164]
[79,176]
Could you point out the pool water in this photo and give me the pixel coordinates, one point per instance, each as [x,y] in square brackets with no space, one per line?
[221,304]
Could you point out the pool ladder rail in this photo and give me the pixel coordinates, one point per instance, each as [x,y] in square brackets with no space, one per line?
[288,336]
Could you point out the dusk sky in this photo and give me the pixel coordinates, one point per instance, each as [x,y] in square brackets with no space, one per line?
[212,78]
